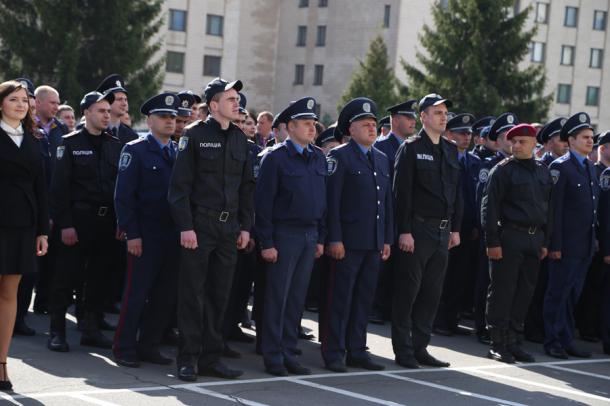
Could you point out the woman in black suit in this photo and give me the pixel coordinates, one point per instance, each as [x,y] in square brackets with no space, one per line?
[24,216]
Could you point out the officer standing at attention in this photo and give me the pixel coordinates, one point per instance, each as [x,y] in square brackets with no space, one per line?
[115,84]
[428,216]
[142,211]
[82,194]
[549,137]
[573,236]
[360,231]
[210,197]
[383,127]
[484,148]
[516,218]
[185,111]
[463,259]
[290,202]
[604,252]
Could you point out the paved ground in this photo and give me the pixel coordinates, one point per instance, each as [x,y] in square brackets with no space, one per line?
[83,377]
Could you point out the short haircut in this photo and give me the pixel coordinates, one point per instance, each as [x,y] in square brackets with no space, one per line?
[44,90]
[267,114]
[64,107]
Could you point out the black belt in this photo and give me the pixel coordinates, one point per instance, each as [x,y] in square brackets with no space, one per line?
[100,211]
[525,229]
[222,216]
[433,221]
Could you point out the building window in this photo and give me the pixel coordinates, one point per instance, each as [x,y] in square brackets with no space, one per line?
[211,65]
[318,75]
[597,56]
[299,74]
[174,62]
[323,3]
[214,25]
[542,13]
[303,3]
[301,35]
[571,17]
[538,50]
[177,20]
[564,93]
[321,37]
[567,55]
[592,96]
[386,16]
[599,20]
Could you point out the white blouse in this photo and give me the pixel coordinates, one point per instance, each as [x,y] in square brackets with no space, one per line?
[16,134]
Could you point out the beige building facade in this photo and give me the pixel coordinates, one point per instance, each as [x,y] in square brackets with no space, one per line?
[286,49]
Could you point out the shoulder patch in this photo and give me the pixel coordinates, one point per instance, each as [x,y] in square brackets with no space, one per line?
[331,165]
[124,161]
[483,175]
[604,181]
[59,153]
[555,175]
[193,124]
[412,139]
[184,141]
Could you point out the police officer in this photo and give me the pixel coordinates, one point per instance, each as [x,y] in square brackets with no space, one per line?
[82,194]
[484,147]
[428,216]
[383,126]
[549,137]
[572,244]
[115,84]
[210,198]
[290,202]
[604,251]
[327,140]
[496,134]
[516,216]
[142,211]
[360,229]
[463,259]
[185,111]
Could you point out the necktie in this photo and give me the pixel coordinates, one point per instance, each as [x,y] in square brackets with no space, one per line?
[369,156]
[306,154]
[167,154]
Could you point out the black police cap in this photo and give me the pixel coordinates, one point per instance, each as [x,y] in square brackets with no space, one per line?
[326,136]
[550,129]
[163,103]
[27,85]
[187,100]
[461,123]
[504,122]
[577,122]
[111,84]
[302,109]
[219,85]
[481,123]
[433,99]
[407,108]
[93,97]
[384,122]
[356,109]
[603,138]
[485,132]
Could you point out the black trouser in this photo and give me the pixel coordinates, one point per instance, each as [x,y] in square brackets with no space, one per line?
[513,279]
[588,309]
[204,286]
[461,272]
[418,281]
[88,261]
[240,291]
[382,302]
[481,286]
[534,322]
[46,272]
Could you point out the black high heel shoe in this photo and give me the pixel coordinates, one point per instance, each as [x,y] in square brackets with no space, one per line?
[5,385]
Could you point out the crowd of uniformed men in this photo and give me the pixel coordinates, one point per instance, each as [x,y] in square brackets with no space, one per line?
[368,220]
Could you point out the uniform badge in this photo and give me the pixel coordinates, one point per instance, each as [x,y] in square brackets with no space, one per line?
[604,182]
[563,121]
[492,121]
[124,161]
[118,83]
[483,175]
[510,119]
[185,103]
[183,143]
[310,104]
[331,165]
[465,119]
[169,100]
[366,107]
[582,118]
[555,175]
[60,152]
[413,105]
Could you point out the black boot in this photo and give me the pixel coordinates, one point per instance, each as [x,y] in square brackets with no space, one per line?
[92,335]
[497,349]
[57,334]
[514,347]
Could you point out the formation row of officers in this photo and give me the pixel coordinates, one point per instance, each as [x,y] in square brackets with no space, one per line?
[396,209]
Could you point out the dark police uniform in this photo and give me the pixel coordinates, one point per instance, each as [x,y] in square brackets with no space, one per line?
[463,260]
[604,251]
[503,123]
[481,151]
[359,197]
[290,203]
[428,205]
[574,203]
[550,130]
[112,84]
[516,217]
[82,194]
[211,193]
[143,213]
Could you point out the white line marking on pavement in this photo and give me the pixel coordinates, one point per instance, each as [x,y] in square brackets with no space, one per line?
[450,389]
[223,396]
[541,385]
[343,392]
[91,400]
[11,400]
[576,371]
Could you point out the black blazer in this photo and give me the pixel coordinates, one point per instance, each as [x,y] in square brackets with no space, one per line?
[23,187]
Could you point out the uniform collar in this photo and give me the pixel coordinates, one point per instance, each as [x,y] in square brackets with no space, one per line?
[580,158]
[161,146]
[294,147]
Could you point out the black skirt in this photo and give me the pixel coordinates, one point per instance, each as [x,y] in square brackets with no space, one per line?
[17,251]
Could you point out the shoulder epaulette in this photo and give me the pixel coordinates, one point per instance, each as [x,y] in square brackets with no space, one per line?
[193,124]
[412,139]
[73,133]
